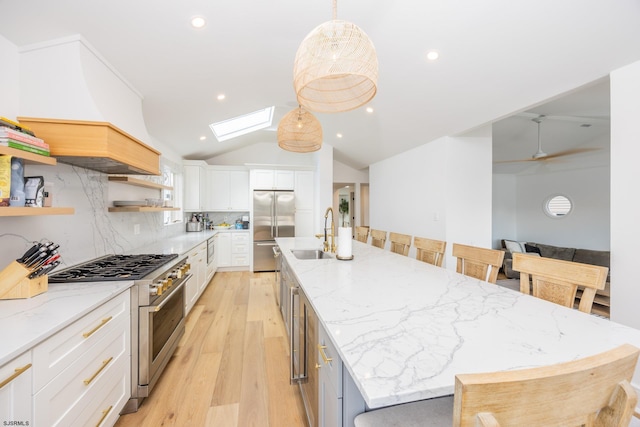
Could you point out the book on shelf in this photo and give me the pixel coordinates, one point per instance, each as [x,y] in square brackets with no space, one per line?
[6,132]
[7,142]
[15,125]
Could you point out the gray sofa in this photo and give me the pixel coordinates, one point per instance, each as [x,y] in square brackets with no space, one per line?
[585,256]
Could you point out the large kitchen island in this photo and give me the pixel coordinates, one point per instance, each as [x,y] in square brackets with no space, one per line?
[404,328]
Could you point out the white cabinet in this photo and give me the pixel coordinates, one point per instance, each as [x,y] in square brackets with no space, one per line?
[227,190]
[15,390]
[197,259]
[339,400]
[266,179]
[240,249]
[232,249]
[82,374]
[305,195]
[223,249]
[194,186]
[329,382]
[304,189]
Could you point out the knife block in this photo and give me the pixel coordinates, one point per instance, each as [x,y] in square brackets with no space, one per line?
[15,284]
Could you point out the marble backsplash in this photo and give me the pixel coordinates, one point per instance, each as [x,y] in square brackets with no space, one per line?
[92,231]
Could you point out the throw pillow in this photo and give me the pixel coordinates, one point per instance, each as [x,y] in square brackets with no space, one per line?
[513,246]
[532,249]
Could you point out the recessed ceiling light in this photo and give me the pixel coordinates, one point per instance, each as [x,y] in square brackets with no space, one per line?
[432,55]
[339,135]
[202,138]
[198,22]
[221,97]
[369,110]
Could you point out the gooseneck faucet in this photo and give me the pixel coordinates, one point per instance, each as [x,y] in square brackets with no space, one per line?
[325,245]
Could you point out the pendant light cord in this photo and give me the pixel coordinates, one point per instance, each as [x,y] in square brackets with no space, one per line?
[335,9]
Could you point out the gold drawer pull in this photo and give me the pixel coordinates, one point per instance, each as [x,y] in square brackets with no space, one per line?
[104,365]
[322,353]
[16,374]
[91,332]
[104,415]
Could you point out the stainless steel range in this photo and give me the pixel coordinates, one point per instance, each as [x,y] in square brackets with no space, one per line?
[157,309]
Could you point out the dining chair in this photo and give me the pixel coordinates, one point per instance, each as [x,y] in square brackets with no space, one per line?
[378,238]
[429,250]
[481,263]
[400,243]
[558,281]
[362,234]
[592,391]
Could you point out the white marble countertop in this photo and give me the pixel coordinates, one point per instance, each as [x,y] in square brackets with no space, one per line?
[26,322]
[404,328]
[182,243]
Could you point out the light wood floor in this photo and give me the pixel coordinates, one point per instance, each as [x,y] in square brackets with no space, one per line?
[232,366]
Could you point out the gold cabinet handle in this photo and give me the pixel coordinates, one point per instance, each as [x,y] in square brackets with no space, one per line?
[318,366]
[104,415]
[91,332]
[104,365]
[16,374]
[322,353]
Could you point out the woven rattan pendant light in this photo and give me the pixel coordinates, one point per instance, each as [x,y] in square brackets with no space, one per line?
[336,67]
[299,131]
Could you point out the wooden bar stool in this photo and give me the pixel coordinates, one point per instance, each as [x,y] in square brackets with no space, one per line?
[362,234]
[558,281]
[378,238]
[400,243]
[480,263]
[430,251]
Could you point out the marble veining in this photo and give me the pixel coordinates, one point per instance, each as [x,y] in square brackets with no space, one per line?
[27,322]
[404,328]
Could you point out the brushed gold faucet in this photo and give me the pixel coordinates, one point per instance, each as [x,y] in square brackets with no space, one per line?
[325,244]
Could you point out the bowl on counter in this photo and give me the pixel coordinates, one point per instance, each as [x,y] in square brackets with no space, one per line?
[222,227]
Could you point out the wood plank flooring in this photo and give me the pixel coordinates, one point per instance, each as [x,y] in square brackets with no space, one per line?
[231,368]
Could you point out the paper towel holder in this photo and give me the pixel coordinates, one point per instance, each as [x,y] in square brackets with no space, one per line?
[349,258]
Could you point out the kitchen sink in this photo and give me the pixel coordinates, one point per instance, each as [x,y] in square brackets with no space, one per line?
[309,254]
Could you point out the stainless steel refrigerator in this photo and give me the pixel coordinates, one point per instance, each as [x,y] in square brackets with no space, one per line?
[273,216]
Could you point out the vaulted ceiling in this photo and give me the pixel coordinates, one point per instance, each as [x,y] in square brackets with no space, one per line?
[497,58]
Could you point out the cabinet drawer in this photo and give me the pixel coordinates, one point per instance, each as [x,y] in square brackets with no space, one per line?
[55,354]
[239,260]
[240,248]
[239,237]
[62,400]
[102,407]
[331,369]
[15,394]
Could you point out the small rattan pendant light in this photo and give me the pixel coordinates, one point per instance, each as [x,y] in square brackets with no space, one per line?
[336,67]
[299,131]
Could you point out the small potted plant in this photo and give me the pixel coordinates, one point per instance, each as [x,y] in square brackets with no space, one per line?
[343,208]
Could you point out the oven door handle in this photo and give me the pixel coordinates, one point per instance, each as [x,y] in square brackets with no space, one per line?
[156,308]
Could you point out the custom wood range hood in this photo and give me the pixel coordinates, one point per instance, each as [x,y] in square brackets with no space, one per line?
[99,146]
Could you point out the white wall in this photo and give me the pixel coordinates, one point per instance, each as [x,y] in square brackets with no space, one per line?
[504,209]
[440,190]
[587,226]
[9,76]
[625,176]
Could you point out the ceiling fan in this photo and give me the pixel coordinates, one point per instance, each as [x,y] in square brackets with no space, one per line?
[541,155]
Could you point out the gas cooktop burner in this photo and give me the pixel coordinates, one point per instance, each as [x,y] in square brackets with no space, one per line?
[112,268]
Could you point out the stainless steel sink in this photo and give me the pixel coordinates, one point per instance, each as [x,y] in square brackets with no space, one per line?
[309,254]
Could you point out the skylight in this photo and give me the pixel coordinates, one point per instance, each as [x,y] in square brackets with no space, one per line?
[242,125]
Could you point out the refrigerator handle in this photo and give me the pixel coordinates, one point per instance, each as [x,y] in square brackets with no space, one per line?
[275,214]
